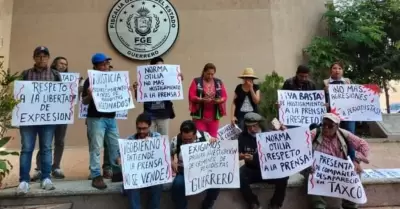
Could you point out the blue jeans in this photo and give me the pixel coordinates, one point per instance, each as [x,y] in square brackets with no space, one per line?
[100,130]
[179,197]
[28,140]
[349,126]
[155,197]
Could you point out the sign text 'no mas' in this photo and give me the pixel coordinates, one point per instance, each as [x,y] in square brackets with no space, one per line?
[159,83]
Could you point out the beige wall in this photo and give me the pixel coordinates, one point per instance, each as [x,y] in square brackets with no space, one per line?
[6,9]
[264,34]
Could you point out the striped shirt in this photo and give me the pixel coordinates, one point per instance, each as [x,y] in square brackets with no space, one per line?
[34,74]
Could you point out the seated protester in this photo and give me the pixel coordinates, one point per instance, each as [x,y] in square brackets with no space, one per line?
[334,141]
[250,172]
[188,134]
[143,123]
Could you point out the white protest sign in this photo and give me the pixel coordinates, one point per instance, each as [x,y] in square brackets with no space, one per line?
[284,153]
[229,132]
[71,77]
[43,103]
[355,102]
[110,90]
[301,108]
[159,83]
[145,162]
[210,165]
[335,177]
[83,109]
[385,173]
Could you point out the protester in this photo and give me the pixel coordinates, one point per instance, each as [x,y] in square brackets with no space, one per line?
[188,134]
[101,127]
[246,98]
[39,72]
[207,100]
[250,172]
[334,141]
[143,132]
[301,81]
[61,65]
[161,111]
[337,78]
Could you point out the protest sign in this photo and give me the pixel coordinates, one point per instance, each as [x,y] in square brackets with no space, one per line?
[229,132]
[83,109]
[301,108]
[43,103]
[210,165]
[159,83]
[335,177]
[71,77]
[355,102]
[284,153]
[385,173]
[145,162]
[110,90]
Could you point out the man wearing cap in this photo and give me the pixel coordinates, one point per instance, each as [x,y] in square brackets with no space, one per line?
[332,140]
[39,72]
[100,127]
[250,172]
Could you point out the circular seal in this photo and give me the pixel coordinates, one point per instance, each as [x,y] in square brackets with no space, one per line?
[142,29]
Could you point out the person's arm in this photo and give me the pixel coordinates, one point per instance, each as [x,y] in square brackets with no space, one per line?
[224,95]
[286,85]
[233,106]
[193,94]
[255,94]
[360,146]
[86,94]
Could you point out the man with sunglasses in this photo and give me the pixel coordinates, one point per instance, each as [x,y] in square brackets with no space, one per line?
[188,134]
[332,140]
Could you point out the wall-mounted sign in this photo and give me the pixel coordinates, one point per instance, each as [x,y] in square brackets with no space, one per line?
[143,29]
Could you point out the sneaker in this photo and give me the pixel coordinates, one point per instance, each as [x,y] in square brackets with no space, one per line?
[36,176]
[47,185]
[107,174]
[98,183]
[23,188]
[58,174]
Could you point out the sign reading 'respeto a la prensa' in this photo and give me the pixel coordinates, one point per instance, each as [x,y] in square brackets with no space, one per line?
[110,90]
[43,103]
[355,102]
[142,29]
[159,83]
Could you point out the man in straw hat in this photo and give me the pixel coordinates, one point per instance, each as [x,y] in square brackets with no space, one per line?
[246,99]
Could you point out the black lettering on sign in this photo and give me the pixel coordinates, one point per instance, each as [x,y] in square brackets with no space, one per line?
[364,108]
[211,179]
[355,192]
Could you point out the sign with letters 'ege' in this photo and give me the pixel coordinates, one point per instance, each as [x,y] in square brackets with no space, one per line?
[142,29]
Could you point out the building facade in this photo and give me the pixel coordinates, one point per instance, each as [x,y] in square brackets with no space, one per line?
[266,35]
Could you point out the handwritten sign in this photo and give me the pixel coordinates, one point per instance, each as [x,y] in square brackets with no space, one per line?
[335,177]
[145,162]
[229,132]
[110,90]
[159,83]
[83,109]
[71,77]
[301,108]
[284,153]
[43,103]
[355,102]
[210,165]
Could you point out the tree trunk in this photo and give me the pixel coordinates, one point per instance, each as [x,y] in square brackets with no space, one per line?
[386,89]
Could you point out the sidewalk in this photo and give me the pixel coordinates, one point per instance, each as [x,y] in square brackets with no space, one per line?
[75,161]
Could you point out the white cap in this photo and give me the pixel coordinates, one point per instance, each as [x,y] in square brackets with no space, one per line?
[334,118]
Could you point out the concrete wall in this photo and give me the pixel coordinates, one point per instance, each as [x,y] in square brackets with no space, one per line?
[6,10]
[264,34]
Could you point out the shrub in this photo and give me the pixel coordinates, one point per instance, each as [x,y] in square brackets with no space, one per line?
[269,95]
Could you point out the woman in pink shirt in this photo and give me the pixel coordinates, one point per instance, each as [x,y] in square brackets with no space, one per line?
[207,100]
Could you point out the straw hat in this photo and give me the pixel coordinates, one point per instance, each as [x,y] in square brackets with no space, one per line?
[248,73]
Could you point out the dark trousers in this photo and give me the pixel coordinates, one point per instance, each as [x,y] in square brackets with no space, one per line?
[59,139]
[249,176]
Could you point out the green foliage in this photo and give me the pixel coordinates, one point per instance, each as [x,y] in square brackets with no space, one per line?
[269,95]
[365,36]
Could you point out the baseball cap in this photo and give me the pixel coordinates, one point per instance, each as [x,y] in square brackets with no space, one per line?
[41,49]
[99,58]
[334,118]
[252,118]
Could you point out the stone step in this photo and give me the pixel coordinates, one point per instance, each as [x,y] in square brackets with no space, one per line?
[80,194]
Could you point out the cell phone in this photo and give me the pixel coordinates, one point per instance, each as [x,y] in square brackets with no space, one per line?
[276,124]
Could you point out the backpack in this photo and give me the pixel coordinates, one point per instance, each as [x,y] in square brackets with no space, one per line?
[179,141]
[344,146]
[57,76]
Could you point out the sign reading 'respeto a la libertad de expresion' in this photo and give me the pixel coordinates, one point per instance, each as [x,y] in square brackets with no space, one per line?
[143,29]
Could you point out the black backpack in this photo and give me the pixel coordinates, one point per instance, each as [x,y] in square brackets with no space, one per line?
[179,141]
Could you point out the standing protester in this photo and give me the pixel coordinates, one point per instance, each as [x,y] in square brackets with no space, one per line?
[100,127]
[337,78]
[301,81]
[207,100]
[246,99]
[40,72]
[250,172]
[188,134]
[143,124]
[61,65]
